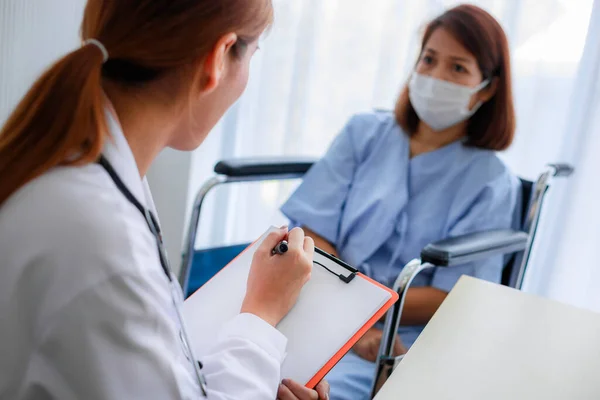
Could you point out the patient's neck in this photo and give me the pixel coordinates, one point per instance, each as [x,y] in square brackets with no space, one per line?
[426,139]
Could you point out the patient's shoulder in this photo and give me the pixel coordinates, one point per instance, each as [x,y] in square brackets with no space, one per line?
[368,130]
[486,163]
[485,170]
[372,122]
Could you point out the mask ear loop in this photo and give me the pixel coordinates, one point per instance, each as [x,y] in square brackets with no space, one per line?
[482,85]
[476,89]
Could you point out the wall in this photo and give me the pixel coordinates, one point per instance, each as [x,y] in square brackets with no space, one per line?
[35,33]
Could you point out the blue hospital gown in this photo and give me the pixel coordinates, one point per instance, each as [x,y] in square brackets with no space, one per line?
[379,208]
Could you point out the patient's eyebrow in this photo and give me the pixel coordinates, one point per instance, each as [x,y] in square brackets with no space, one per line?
[455,58]
[463,59]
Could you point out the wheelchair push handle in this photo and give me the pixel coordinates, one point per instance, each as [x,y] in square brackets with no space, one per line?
[562,170]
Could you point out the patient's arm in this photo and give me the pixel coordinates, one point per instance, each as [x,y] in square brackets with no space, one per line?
[320,242]
[421,302]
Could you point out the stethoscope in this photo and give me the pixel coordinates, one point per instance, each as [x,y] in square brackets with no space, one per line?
[164,262]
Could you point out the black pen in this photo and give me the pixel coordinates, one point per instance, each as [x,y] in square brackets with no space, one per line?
[281,248]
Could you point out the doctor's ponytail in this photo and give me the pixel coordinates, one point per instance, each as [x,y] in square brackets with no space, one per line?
[61,120]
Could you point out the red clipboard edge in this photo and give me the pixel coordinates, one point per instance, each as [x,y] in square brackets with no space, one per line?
[348,346]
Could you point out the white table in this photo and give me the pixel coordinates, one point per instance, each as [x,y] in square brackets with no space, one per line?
[490,342]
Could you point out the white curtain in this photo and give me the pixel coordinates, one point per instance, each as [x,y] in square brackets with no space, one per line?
[327,59]
[565,264]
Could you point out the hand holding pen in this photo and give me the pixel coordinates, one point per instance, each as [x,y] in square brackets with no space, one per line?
[275,282]
[281,248]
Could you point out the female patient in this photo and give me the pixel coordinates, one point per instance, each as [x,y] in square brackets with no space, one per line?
[392,183]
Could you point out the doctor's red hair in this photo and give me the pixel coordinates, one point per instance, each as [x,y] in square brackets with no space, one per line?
[61,121]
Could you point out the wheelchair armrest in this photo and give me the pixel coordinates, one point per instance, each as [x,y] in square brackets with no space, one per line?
[243,167]
[472,247]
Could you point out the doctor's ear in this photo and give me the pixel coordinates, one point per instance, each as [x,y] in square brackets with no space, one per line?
[213,65]
[489,91]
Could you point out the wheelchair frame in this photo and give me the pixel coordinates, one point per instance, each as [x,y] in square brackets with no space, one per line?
[445,253]
[521,245]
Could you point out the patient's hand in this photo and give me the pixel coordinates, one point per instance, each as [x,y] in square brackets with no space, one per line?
[368,346]
[290,390]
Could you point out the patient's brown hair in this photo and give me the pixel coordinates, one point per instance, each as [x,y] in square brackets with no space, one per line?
[493,125]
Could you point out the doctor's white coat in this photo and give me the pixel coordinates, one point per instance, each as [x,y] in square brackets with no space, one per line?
[85,307]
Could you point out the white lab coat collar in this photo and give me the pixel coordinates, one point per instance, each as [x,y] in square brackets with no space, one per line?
[119,154]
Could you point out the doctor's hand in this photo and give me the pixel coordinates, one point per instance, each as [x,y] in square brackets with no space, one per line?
[275,281]
[368,346]
[290,390]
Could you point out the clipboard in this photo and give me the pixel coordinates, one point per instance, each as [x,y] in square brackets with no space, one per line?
[334,310]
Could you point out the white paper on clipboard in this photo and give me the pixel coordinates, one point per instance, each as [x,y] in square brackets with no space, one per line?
[328,314]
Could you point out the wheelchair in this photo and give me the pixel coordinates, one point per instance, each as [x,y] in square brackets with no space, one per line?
[198,266]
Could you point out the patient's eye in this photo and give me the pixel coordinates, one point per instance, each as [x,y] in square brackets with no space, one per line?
[459,68]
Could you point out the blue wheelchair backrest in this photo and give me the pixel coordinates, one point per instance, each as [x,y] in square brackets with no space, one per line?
[207,263]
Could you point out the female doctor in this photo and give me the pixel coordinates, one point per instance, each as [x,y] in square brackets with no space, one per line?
[88,305]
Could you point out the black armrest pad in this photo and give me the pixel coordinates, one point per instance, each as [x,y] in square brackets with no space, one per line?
[474,246]
[562,170]
[240,167]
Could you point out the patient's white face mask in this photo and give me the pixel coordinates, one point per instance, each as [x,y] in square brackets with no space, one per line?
[441,104]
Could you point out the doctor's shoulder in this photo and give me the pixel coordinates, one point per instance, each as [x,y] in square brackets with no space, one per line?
[71,229]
